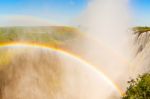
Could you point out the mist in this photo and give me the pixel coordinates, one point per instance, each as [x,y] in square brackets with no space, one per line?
[36,72]
[107,24]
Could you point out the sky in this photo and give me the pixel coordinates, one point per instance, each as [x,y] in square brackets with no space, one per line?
[141,10]
[56,11]
[61,11]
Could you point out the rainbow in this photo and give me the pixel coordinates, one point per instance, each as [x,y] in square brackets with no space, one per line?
[70,55]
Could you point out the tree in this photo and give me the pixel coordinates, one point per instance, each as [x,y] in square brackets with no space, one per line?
[139,88]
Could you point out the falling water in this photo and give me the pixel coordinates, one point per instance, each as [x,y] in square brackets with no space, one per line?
[141,56]
[35,72]
[38,73]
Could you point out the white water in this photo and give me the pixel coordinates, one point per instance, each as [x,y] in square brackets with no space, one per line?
[141,54]
[108,22]
[105,21]
[38,73]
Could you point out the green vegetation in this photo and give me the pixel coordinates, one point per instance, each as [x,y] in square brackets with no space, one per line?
[141,29]
[139,88]
[44,35]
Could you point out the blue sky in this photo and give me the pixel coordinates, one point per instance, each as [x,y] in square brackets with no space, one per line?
[61,11]
[65,10]
[141,9]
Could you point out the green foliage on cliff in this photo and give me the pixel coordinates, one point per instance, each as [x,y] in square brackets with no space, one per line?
[139,88]
[141,29]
